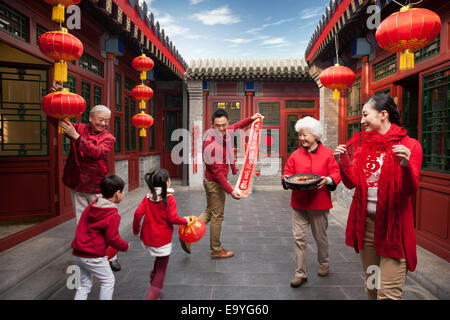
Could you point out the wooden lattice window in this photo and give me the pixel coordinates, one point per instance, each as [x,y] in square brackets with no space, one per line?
[436,121]
[98,95]
[91,64]
[86,94]
[13,22]
[151,130]
[127,119]
[129,84]
[133,130]
[118,134]
[39,32]
[118,92]
[300,104]
[271,112]
[385,68]
[353,127]
[431,50]
[354,99]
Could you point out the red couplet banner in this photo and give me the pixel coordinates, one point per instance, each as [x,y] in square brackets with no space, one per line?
[247,171]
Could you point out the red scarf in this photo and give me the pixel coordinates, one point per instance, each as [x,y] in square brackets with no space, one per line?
[363,149]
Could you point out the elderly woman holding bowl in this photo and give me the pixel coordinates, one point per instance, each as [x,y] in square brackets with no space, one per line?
[311,207]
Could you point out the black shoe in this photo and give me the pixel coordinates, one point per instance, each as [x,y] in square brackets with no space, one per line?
[115,266]
[186,246]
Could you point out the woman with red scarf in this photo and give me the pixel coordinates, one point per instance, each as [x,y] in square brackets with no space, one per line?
[383,165]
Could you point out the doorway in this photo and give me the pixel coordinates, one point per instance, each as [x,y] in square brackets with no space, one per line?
[172,120]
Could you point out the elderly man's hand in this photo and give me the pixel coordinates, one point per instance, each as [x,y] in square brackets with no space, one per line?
[256,116]
[69,129]
[56,86]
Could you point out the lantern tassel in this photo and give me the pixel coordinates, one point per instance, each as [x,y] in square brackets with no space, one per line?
[60,71]
[142,132]
[58,13]
[406,60]
[336,94]
[142,105]
[144,75]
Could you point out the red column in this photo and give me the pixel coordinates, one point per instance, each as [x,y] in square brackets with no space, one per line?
[365,79]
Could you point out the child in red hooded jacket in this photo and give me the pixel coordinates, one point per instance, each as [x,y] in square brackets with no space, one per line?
[97,229]
[160,214]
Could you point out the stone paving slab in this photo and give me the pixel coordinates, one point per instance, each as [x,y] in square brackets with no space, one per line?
[259,230]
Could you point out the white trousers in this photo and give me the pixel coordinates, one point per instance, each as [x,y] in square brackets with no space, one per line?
[95,267]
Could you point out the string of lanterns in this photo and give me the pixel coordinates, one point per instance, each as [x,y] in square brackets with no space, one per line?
[142,93]
[61,46]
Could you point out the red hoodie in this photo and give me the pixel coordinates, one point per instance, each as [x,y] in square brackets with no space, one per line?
[157,227]
[98,228]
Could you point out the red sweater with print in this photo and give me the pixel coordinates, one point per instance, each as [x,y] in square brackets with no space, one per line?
[87,163]
[97,229]
[321,162]
[157,227]
[218,172]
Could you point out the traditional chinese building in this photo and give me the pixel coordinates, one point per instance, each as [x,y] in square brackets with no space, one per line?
[422,94]
[281,90]
[32,153]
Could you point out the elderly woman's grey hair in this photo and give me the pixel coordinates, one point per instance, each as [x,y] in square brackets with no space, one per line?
[100,108]
[312,125]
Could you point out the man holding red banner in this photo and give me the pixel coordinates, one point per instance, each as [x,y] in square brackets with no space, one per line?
[218,155]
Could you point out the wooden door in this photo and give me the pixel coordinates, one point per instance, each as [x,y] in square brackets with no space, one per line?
[171,121]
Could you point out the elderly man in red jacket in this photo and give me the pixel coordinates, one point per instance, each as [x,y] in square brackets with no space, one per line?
[218,155]
[87,163]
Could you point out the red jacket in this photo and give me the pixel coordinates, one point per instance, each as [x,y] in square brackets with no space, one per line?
[157,227]
[409,186]
[87,163]
[218,172]
[98,228]
[321,162]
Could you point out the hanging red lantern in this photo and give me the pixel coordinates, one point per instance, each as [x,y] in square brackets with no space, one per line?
[142,64]
[407,31]
[193,231]
[142,93]
[337,78]
[63,104]
[142,121]
[60,46]
[59,7]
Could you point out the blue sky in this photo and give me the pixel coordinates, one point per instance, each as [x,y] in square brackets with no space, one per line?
[238,29]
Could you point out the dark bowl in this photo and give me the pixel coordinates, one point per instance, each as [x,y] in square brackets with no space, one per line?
[310,185]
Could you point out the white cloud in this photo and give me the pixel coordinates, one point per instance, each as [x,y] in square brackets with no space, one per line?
[221,15]
[194,2]
[274,41]
[239,41]
[266,25]
[309,13]
[167,22]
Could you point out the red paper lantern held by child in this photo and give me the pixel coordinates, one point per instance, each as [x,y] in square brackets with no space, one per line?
[193,231]
[337,78]
[142,121]
[407,31]
[63,104]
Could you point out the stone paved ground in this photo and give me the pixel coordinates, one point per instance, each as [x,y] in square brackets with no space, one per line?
[258,229]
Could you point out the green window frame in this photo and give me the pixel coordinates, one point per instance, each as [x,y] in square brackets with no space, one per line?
[118,92]
[435,133]
[13,22]
[133,129]
[353,127]
[271,112]
[39,32]
[98,95]
[86,94]
[91,64]
[118,134]
[384,91]
[126,110]
[354,99]
[300,104]
[129,84]
[385,68]
[151,130]
[71,84]
[430,50]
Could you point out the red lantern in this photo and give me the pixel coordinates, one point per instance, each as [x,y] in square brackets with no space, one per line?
[59,7]
[142,93]
[407,31]
[142,121]
[63,104]
[193,231]
[337,78]
[143,64]
[60,46]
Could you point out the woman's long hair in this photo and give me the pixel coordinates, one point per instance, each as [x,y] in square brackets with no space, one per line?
[157,178]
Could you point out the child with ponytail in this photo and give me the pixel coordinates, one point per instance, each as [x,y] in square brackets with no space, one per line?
[159,209]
